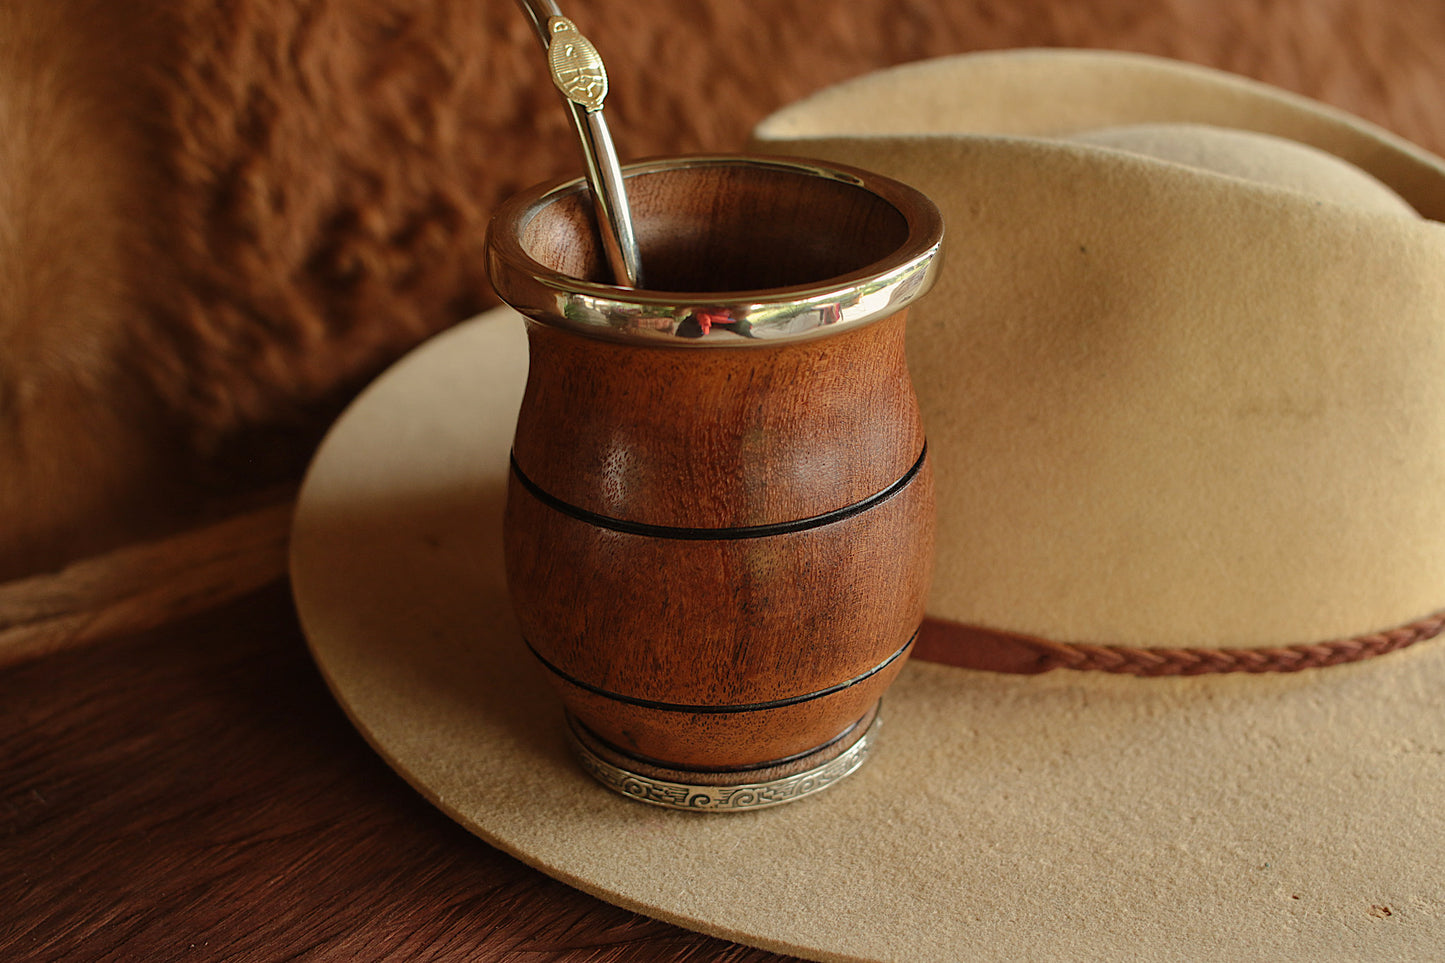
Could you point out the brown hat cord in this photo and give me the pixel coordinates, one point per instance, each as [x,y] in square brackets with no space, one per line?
[993,650]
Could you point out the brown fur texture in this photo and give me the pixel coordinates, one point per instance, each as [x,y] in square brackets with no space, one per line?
[195,795]
[82,435]
[217,220]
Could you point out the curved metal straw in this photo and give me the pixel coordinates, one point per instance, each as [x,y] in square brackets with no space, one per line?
[584,90]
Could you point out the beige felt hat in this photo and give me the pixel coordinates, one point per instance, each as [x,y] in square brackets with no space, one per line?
[1181,397]
[1182,377]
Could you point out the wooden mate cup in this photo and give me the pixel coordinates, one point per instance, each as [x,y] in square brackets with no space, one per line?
[719,523]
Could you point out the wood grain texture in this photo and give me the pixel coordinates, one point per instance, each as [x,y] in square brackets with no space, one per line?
[721,622]
[673,643]
[718,437]
[784,769]
[194,793]
[723,741]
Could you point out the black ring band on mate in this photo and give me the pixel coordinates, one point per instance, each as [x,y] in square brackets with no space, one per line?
[718,534]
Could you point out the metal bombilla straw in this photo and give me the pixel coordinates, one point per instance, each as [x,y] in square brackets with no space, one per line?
[577,70]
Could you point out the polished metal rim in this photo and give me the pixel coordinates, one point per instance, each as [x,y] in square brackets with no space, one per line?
[700,797]
[713,319]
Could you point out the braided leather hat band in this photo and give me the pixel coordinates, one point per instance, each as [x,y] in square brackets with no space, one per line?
[974,647]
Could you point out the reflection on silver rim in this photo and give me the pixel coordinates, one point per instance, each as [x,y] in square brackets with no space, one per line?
[697,797]
[723,319]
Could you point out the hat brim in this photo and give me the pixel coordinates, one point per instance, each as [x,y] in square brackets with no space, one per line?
[1067,815]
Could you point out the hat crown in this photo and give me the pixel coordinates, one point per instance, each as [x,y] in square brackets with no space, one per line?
[1171,406]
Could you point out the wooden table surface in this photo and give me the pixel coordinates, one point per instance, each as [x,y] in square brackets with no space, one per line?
[194,793]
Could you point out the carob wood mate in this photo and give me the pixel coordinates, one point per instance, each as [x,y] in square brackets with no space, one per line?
[719,528]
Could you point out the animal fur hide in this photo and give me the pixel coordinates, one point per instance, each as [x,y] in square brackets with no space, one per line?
[218,219]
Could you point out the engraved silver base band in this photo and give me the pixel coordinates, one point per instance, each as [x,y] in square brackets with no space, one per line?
[697,797]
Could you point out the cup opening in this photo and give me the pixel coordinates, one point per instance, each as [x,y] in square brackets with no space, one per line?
[722,228]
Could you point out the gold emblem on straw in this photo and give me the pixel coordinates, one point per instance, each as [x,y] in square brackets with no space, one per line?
[577,71]
[576,65]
